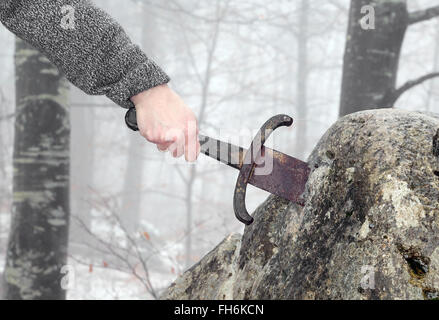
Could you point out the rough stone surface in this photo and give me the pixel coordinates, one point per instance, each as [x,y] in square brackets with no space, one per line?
[211,279]
[369,228]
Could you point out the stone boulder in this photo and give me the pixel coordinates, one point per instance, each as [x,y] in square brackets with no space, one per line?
[369,228]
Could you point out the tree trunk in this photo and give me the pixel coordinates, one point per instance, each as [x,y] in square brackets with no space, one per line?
[189,216]
[133,181]
[37,247]
[372,55]
[132,190]
[302,77]
[432,99]
[193,174]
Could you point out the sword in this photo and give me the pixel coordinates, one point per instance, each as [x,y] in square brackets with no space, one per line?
[286,176]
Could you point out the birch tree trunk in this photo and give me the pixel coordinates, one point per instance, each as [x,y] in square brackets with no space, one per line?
[37,247]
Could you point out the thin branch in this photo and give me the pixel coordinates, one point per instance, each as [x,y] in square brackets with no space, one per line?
[7,117]
[113,249]
[391,98]
[423,15]
[181,174]
[340,7]
[121,258]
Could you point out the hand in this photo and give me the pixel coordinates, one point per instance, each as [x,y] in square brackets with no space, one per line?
[165,120]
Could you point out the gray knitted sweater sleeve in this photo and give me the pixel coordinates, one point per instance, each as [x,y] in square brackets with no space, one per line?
[86,44]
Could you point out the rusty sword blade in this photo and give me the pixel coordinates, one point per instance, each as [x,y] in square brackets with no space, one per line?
[284,176]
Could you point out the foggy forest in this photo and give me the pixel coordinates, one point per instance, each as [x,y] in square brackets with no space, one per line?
[127,220]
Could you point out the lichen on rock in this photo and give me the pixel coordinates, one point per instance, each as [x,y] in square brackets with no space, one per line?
[369,228]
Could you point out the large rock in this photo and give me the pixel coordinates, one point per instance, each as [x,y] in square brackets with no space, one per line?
[369,228]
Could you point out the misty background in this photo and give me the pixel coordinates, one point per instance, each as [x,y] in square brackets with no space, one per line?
[140,218]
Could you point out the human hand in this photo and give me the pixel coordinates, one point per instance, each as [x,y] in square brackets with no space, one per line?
[165,120]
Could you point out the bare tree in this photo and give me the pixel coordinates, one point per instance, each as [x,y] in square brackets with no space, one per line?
[302,76]
[433,84]
[374,39]
[205,78]
[135,168]
[132,258]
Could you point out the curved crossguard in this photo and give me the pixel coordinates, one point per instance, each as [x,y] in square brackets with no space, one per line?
[249,164]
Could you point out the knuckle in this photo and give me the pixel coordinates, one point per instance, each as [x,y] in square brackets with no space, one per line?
[149,135]
[144,133]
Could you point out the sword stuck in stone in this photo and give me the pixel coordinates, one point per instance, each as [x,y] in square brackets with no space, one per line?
[262,167]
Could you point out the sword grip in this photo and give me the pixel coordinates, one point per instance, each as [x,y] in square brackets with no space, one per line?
[131,119]
[131,122]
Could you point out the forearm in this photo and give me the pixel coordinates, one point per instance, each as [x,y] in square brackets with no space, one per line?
[95,55]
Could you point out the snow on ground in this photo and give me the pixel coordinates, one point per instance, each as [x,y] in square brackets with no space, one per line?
[91,283]
[83,282]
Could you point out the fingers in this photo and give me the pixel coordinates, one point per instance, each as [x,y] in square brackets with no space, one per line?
[169,124]
[176,147]
[192,145]
[163,147]
[158,136]
[184,142]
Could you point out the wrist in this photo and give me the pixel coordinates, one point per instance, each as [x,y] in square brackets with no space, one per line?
[142,96]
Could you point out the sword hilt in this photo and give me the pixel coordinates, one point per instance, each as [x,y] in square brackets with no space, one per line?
[205,142]
[249,164]
[131,119]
